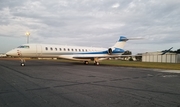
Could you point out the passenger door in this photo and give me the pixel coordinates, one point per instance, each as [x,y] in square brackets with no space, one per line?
[38,50]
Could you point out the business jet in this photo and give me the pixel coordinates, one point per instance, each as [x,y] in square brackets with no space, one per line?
[84,54]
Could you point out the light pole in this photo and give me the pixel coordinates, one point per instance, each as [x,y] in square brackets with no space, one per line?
[27,34]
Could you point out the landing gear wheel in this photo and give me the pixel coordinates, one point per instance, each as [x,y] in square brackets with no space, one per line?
[22,64]
[86,62]
[96,63]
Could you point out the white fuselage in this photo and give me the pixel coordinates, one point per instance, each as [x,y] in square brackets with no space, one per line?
[59,51]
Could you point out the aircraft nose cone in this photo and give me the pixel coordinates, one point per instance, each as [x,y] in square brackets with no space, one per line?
[10,53]
[7,54]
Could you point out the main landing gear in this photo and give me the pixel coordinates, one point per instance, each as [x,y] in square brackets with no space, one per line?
[96,62]
[86,62]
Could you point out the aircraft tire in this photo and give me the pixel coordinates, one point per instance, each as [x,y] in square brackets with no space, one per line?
[86,62]
[22,64]
[96,63]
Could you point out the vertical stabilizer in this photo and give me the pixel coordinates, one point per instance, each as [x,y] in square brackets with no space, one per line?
[121,42]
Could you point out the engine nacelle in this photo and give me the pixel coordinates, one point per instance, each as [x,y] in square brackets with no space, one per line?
[110,51]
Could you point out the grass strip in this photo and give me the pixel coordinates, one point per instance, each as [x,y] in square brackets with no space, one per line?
[169,66]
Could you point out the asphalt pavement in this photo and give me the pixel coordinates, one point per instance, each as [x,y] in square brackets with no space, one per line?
[51,83]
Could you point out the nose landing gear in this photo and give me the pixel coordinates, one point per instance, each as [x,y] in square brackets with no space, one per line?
[20,57]
[22,62]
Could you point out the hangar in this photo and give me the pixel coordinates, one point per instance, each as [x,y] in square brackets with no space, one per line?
[157,57]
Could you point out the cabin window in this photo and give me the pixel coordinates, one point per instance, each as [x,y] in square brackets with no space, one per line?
[51,48]
[60,49]
[68,49]
[86,50]
[76,50]
[46,48]
[79,50]
[83,50]
[56,49]
[72,49]
[64,49]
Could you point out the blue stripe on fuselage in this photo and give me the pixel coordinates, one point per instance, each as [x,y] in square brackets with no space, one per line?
[115,51]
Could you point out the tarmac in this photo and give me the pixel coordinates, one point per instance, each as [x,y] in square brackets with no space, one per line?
[48,83]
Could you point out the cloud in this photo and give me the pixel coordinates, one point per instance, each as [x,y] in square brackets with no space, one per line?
[116,5]
[92,22]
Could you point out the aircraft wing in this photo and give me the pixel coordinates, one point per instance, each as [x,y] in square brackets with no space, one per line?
[100,56]
[94,56]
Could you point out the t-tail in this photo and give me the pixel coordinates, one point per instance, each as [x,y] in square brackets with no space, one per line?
[121,42]
[118,46]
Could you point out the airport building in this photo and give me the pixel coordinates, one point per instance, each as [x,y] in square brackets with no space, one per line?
[157,57]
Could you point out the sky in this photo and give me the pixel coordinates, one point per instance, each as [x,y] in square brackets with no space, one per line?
[97,23]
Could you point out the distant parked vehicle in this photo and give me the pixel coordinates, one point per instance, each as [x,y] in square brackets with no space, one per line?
[2,55]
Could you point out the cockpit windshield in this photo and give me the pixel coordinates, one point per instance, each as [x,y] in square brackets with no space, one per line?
[24,46]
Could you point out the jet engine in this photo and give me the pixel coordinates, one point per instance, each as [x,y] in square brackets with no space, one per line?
[110,51]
